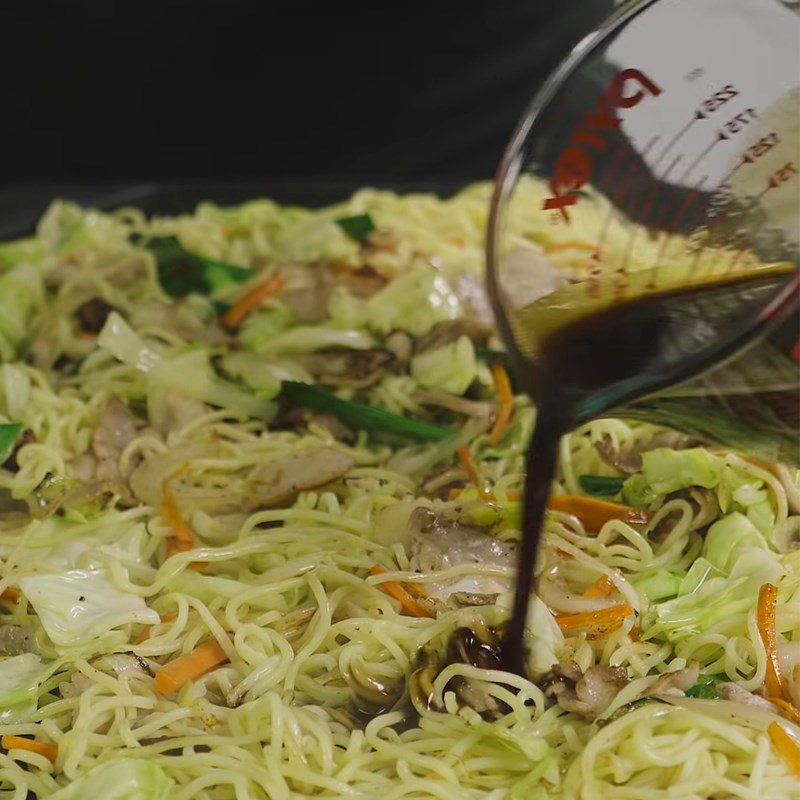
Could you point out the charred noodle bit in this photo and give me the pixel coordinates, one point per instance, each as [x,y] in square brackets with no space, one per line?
[189,666]
[786,746]
[250,301]
[410,605]
[46,749]
[773,682]
[502,386]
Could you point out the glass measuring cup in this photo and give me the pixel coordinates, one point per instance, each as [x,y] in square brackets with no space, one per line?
[664,153]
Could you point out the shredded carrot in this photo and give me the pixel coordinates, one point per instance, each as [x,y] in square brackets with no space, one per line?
[455,493]
[603,617]
[46,749]
[147,632]
[182,539]
[571,244]
[465,457]
[786,747]
[563,553]
[602,587]
[634,635]
[409,603]
[787,709]
[251,300]
[502,386]
[594,513]
[11,594]
[765,615]
[601,631]
[189,666]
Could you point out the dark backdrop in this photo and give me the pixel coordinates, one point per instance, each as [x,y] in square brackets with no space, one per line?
[283,89]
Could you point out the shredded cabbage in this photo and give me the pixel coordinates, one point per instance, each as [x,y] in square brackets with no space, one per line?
[19,682]
[76,606]
[120,779]
[451,368]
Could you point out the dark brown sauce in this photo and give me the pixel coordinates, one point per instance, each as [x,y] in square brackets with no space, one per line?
[608,359]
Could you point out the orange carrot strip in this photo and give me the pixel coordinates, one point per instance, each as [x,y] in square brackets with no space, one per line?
[46,749]
[787,709]
[11,594]
[189,666]
[601,631]
[465,457]
[594,513]
[455,493]
[765,616]
[602,617]
[502,386]
[409,603]
[563,553]
[182,539]
[250,301]
[602,587]
[786,747]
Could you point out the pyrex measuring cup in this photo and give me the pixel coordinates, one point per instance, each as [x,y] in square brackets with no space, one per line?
[664,153]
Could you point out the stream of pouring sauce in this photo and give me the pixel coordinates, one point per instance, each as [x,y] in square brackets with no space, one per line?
[620,351]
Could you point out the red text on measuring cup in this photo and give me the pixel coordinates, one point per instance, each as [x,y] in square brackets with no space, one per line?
[574,166]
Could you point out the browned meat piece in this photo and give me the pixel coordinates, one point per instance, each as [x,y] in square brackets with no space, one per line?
[439,542]
[738,694]
[116,429]
[97,469]
[587,694]
[343,367]
[307,292]
[299,419]
[278,483]
[17,639]
[470,599]
[363,281]
[680,680]
[308,289]
[451,330]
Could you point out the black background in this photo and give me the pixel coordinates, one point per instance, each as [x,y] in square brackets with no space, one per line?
[288,89]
